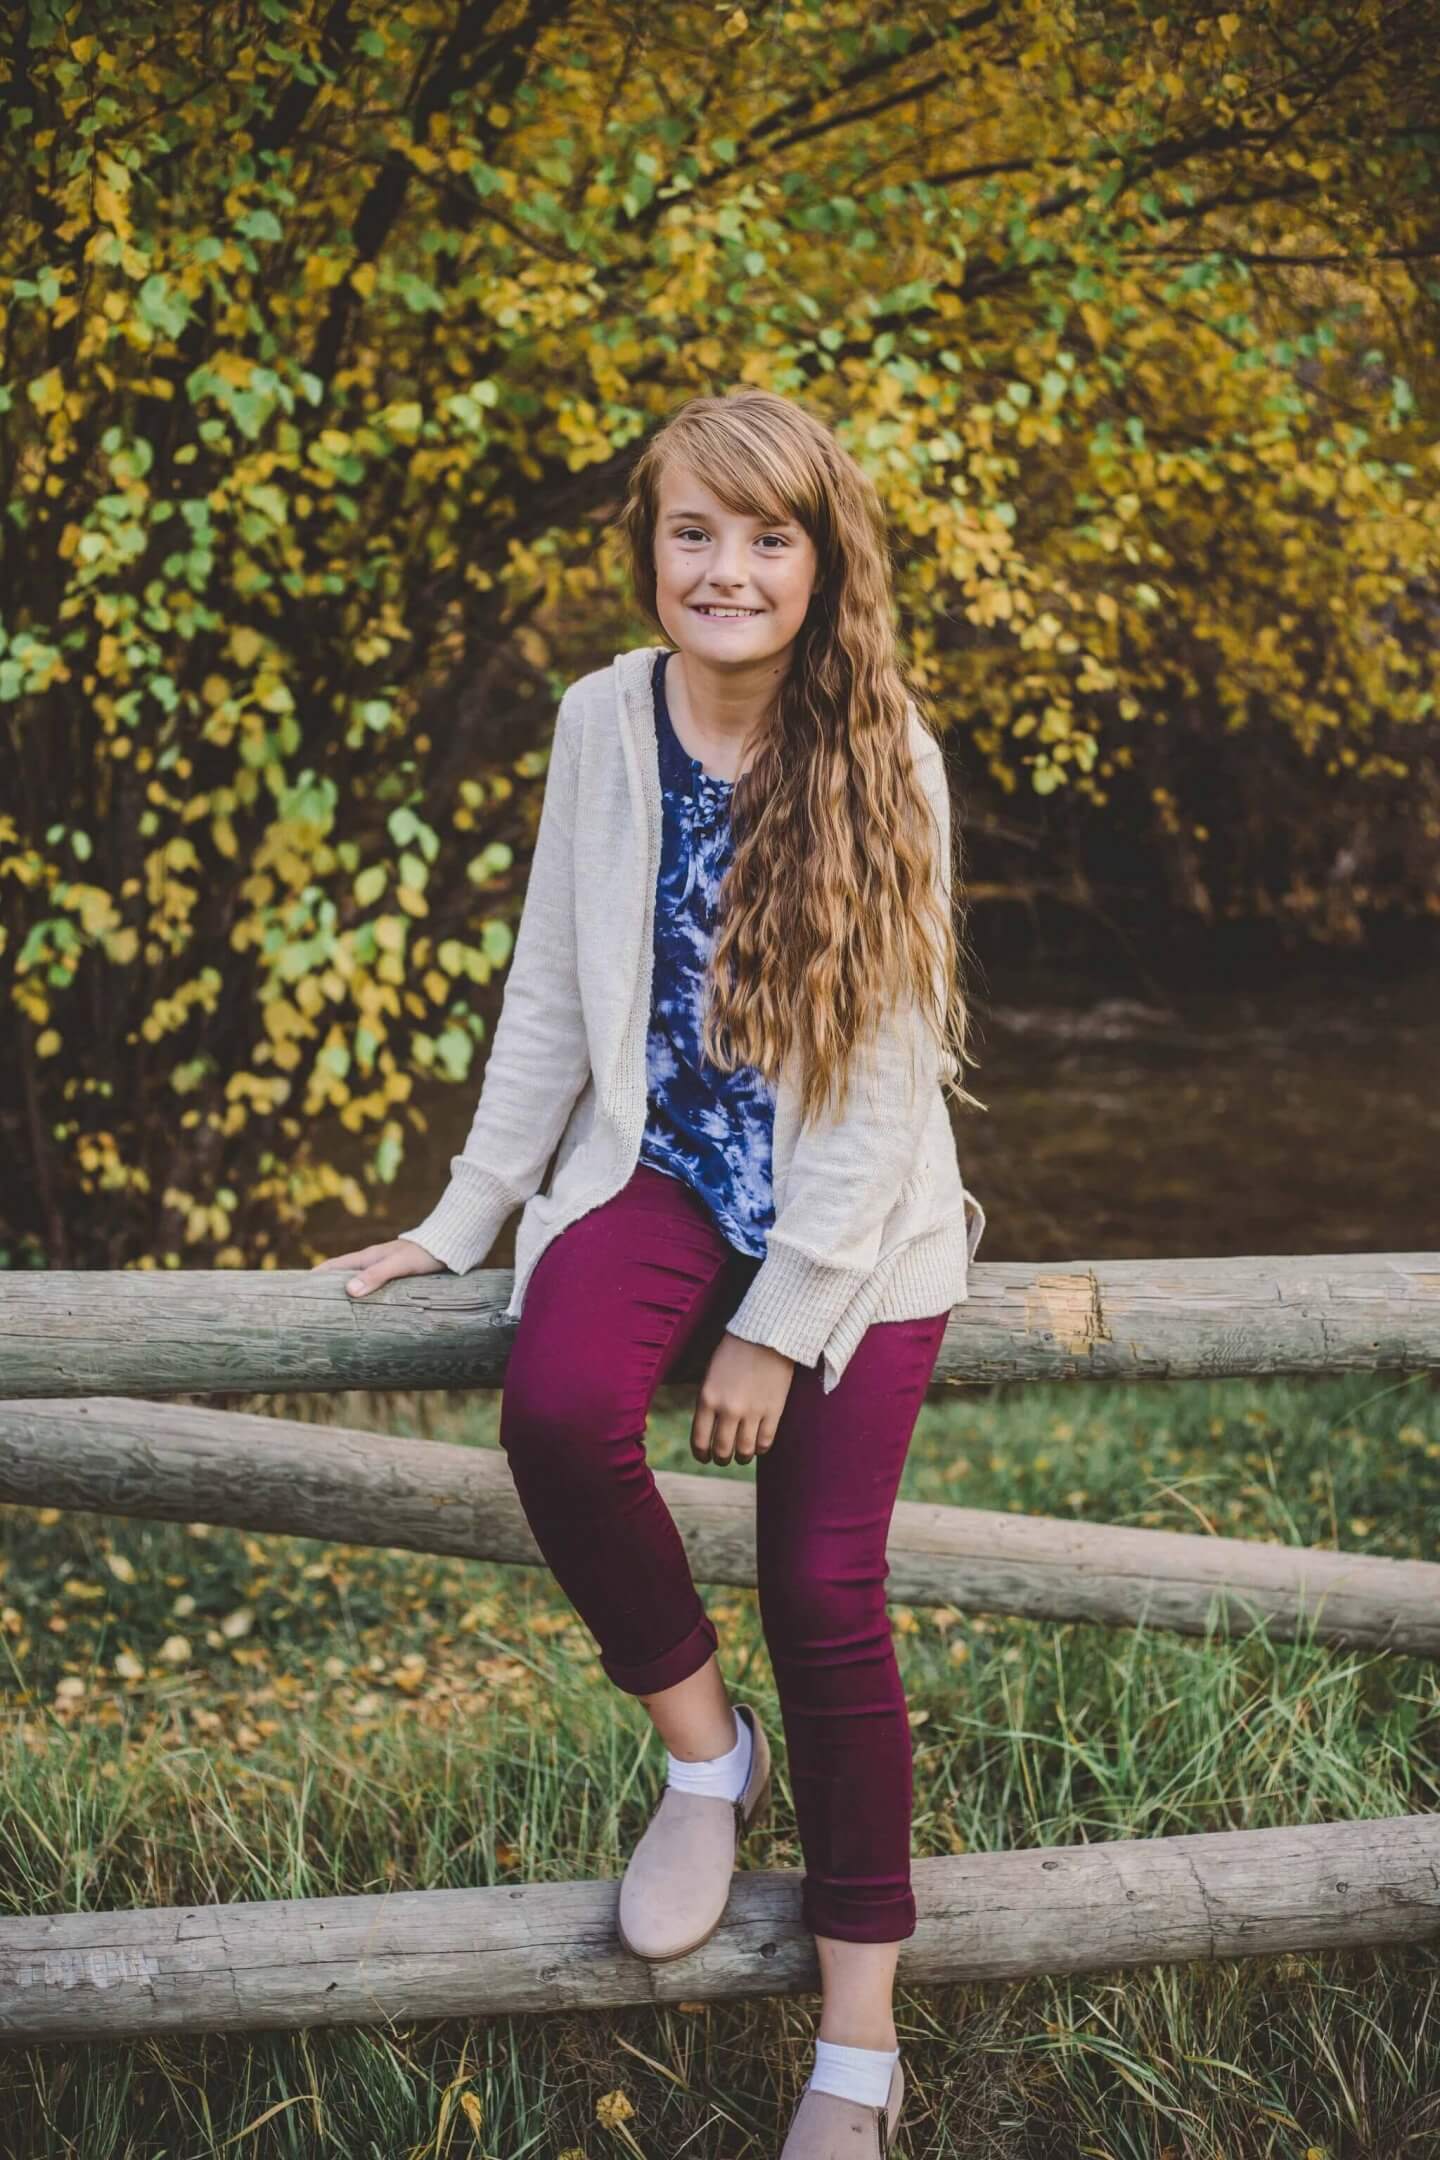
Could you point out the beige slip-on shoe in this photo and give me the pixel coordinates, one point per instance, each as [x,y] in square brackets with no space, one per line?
[825,2127]
[677,1882]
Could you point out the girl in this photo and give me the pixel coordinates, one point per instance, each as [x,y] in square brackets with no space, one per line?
[732,1015]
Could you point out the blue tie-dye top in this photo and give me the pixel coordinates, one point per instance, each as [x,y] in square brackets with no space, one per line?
[709,1128]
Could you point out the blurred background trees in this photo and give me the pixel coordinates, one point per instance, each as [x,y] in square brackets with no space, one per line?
[329,332]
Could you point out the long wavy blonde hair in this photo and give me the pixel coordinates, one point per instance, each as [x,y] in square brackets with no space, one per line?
[831,906]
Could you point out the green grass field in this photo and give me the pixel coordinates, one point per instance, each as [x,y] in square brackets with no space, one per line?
[196,1714]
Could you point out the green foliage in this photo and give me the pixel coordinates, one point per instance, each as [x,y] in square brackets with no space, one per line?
[328,336]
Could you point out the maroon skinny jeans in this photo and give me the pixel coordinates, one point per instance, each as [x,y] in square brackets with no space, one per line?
[613,1303]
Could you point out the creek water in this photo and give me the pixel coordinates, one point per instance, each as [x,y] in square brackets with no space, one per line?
[1295,1117]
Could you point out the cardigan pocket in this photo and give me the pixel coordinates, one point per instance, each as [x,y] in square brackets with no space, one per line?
[577,1131]
[906,1218]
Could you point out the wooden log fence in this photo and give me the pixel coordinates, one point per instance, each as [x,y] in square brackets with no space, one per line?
[1002,1916]
[259,1331]
[76,1349]
[181,1462]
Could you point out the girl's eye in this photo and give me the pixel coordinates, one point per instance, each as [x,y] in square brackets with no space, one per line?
[693,532]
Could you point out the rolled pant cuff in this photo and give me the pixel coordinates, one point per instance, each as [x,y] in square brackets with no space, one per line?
[843,1921]
[689,1654]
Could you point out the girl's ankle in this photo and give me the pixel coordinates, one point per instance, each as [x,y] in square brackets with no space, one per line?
[860,2036]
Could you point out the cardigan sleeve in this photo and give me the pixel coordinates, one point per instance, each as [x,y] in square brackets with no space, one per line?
[539,1057]
[847,1173]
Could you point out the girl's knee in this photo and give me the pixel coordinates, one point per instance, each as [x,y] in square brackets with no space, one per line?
[555,1415]
[812,1607]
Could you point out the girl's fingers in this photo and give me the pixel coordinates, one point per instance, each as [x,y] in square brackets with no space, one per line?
[765,1439]
[347,1259]
[718,1438]
[382,1271]
[726,1431]
[748,1440]
[377,1264]
[700,1432]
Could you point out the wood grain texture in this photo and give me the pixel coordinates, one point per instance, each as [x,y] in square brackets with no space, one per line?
[154,1333]
[183,1462]
[552,1946]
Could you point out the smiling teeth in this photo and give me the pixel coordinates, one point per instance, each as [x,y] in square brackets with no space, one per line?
[726,612]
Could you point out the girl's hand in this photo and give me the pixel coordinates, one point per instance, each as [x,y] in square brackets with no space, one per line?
[376,1264]
[741,1398]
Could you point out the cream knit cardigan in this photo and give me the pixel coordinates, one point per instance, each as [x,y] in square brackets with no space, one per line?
[872,1219]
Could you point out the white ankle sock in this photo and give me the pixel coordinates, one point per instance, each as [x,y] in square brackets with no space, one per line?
[853,2073]
[721,1777]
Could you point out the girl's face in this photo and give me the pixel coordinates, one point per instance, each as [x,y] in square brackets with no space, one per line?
[710,562]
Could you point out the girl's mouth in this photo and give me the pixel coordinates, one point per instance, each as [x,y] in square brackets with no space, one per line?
[726,614]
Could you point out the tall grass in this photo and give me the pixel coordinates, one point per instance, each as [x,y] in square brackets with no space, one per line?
[195,1714]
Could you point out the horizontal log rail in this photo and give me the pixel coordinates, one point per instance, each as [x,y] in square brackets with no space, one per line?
[552,1946]
[76,1348]
[183,1462]
[255,1331]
